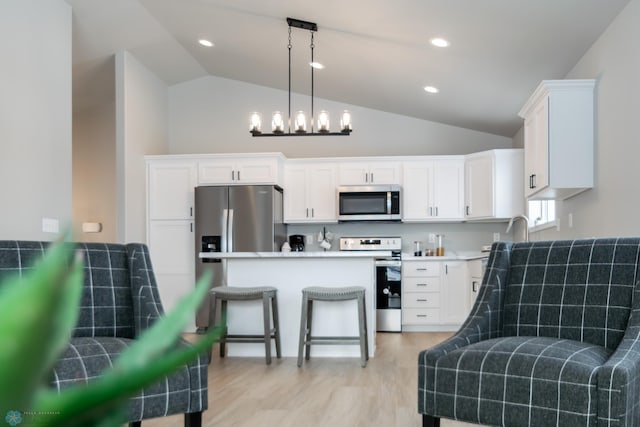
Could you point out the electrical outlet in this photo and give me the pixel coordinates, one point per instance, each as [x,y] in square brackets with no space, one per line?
[570,220]
[496,237]
[432,238]
[50,225]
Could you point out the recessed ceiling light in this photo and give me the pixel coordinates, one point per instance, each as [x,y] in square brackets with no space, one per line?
[431,89]
[205,42]
[316,65]
[439,42]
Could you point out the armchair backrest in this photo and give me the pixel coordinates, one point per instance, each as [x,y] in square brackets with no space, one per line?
[575,289]
[107,303]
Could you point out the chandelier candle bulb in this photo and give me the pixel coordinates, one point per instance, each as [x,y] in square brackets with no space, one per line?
[345,121]
[277,123]
[323,121]
[255,123]
[301,122]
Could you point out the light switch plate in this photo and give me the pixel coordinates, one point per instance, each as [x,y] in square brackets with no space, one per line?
[496,237]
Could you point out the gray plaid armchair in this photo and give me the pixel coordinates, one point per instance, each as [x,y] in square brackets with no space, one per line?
[120,300]
[553,340]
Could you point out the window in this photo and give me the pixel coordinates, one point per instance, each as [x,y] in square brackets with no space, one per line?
[542,213]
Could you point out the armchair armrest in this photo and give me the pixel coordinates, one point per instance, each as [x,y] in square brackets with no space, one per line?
[147,306]
[619,377]
[484,322]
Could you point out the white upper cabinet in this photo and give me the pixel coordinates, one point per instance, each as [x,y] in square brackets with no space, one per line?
[241,170]
[310,192]
[558,139]
[369,173]
[433,190]
[493,184]
[170,185]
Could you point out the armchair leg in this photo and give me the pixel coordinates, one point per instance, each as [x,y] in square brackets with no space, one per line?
[193,419]
[429,421]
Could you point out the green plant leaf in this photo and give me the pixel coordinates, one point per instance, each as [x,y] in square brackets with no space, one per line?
[39,312]
[143,363]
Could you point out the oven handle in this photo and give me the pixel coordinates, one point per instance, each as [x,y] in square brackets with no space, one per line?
[388,263]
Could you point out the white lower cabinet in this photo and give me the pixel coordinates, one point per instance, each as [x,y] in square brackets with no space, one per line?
[455,294]
[171,248]
[435,294]
[421,293]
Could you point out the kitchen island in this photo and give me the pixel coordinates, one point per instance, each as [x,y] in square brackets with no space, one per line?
[290,272]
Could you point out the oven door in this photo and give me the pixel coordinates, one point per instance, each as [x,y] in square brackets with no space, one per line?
[388,295]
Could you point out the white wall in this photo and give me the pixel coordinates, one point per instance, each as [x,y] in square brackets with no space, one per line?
[94,171]
[141,129]
[211,115]
[612,208]
[35,117]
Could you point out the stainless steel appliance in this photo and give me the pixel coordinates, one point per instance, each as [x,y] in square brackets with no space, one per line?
[247,218]
[369,203]
[388,277]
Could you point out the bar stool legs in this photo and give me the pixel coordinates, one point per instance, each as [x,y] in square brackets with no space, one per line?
[265,293]
[332,294]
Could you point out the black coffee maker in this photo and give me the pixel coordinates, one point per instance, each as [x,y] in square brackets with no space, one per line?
[296,241]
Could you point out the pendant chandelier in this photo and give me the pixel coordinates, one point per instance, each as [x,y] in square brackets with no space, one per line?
[298,127]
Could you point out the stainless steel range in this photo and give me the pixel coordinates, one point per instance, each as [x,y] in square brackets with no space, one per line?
[388,267]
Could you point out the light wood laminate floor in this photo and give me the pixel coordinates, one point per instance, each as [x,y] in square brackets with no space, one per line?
[331,392]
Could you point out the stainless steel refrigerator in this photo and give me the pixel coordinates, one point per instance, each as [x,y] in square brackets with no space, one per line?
[247,218]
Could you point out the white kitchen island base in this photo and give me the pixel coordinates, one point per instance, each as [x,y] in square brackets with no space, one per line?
[290,274]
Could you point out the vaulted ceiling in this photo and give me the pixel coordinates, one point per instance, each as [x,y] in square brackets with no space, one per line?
[376,53]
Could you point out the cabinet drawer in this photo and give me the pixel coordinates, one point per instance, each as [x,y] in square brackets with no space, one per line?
[421,300]
[421,284]
[421,269]
[420,316]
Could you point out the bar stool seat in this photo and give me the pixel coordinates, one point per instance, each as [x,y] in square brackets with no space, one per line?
[319,293]
[264,293]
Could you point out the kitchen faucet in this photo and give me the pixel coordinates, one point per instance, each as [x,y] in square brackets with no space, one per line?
[526,225]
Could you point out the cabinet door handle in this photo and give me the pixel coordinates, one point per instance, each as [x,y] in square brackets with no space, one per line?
[533,180]
[446,269]
[421,284]
[430,211]
[313,213]
[467,210]
[371,177]
[421,269]
[238,175]
[436,211]
[233,175]
[307,212]
[421,300]
[191,227]
[191,211]
[421,315]
[474,286]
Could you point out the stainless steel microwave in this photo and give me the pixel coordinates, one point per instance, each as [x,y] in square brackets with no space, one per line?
[369,203]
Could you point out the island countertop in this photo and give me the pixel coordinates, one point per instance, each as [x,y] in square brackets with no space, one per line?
[462,256]
[309,254]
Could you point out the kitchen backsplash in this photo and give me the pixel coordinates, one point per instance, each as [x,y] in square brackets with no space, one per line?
[459,237]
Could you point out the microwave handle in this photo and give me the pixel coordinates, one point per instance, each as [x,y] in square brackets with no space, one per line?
[389,202]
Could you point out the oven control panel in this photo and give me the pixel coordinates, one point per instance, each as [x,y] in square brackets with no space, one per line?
[370,243]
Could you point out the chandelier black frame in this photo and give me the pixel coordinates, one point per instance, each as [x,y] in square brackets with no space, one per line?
[346,116]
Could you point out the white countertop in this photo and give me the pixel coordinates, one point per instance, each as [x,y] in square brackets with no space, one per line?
[461,256]
[313,254]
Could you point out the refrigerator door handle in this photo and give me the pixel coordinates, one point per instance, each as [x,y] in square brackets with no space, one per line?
[230,231]
[223,240]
